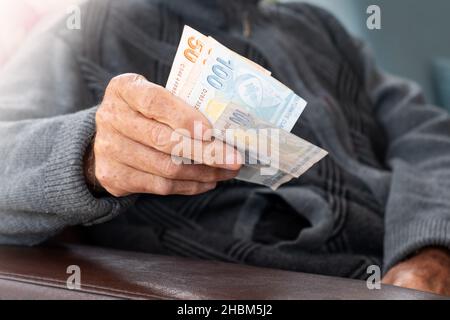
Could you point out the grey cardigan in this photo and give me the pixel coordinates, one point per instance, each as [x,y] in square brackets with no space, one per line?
[382,193]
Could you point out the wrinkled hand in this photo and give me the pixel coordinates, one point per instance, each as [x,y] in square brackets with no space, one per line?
[132,151]
[429,270]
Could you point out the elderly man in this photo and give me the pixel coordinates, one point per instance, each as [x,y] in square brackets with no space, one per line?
[85,140]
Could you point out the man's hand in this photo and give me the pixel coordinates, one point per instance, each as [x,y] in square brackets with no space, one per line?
[429,270]
[132,148]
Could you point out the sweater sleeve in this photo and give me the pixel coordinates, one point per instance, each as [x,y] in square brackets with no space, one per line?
[418,154]
[44,132]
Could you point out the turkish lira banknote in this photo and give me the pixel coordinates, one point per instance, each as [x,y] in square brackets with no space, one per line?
[246,105]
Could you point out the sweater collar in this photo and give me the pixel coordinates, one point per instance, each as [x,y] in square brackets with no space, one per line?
[218,14]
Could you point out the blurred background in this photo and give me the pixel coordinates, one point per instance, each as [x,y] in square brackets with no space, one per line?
[18,18]
[414,40]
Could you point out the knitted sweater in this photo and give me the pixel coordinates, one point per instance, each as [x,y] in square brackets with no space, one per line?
[382,193]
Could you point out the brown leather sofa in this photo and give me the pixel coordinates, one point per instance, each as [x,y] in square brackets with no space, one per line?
[41,273]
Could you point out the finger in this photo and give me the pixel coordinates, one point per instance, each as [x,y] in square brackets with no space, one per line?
[146,159]
[155,102]
[413,283]
[407,279]
[389,278]
[123,177]
[163,138]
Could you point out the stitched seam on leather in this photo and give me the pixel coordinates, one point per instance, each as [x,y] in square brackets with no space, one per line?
[57,283]
[28,282]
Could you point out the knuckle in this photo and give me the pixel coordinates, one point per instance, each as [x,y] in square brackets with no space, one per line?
[102,145]
[186,123]
[151,188]
[101,115]
[198,188]
[102,173]
[134,77]
[115,83]
[126,78]
[171,169]
[215,176]
[137,186]
[165,187]
[159,136]
[134,81]
[123,83]
[107,113]
[152,99]
[195,189]
[204,174]
[159,97]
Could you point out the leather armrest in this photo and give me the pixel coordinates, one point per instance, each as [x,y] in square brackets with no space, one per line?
[40,273]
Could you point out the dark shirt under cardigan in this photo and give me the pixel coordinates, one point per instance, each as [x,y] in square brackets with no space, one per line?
[381,194]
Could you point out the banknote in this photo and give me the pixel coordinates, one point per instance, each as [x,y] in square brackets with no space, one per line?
[191,46]
[253,174]
[225,78]
[262,144]
[249,109]
[193,49]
